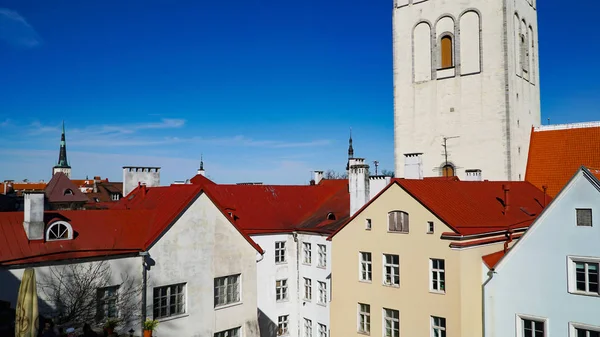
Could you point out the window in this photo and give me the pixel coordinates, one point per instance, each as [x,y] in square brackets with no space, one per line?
[68,191]
[169,300]
[398,221]
[307,253]
[322,256]
[280,252]
[115,196]
[368,224]
[446,52]
[282,325]
[330,216]
[364,318]
[447,170]
[227,290]
[531,327]
[391,323]
[307,327]
[430,227]
[365,266]
[438,326]
[584,217]
[108,298]
[59,230]
[391,270]
[281,290]
[583,275]
[235,332]
[438,275]
[583,330]
[307,289]
[322,292]
[322,330]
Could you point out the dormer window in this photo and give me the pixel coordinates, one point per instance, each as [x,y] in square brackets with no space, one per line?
[59,230]
[398,222]
[330,216]
[68,191]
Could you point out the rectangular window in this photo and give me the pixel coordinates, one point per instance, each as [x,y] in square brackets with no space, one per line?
[307,289]
[391,323]
[322,330]
[438,326]
[307,253]
[281,290]
[398,222]
[169,300]
[235,332]
[584,217]
[108,299]
[322,256]
[365,266]
[438,275]
[280,252]
[227,290]
[322,292]
[586,277]
[391,270]
[282,325]
[364,318]
[583,330]
[531,327]
[368,224]
[307,328]
[430,227]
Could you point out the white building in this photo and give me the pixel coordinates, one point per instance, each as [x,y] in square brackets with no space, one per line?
[201,269]
[547,283]
[466,76]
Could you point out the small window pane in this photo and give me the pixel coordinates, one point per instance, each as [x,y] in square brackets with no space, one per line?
[584,217]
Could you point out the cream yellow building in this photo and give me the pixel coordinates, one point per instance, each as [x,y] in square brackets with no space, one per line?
[409,263]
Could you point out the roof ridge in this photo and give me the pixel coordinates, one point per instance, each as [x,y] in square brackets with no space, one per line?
[567,126]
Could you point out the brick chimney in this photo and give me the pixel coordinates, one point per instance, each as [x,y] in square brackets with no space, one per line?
[134,175]
[33,220]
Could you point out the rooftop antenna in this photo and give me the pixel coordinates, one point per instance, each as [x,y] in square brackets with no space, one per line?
[376,163]
[445,145]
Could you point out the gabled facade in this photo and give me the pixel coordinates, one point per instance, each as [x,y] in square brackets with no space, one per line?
[547,284]
[409,262]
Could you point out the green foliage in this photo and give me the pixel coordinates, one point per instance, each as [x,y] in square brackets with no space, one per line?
[150,324]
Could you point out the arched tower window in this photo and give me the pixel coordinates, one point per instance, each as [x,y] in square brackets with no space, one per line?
[68,191]
[446,52]
[59,230]
[448,170]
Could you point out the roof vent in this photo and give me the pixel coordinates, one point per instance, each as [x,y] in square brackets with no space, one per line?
[330,216]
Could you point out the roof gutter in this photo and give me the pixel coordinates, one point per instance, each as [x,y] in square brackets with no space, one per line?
[458,237]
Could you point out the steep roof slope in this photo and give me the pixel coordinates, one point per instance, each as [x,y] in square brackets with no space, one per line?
[556,151]
[61,189]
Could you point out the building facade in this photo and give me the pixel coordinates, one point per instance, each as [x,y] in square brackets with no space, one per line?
[547,284]
[466,90]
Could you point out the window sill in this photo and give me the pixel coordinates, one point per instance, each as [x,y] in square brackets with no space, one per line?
[322,304]
[321,267]
[438,292]
[429,232]
[307,263]
[397,232]
[582,293]
[309,300]
[170,318]
[391,285]
[284,262]
[282,301]
[225,306]
[365,281]
[364,333]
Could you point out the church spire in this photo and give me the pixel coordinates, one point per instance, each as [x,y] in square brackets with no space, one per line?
[201,169]
[350,149]
[63,164]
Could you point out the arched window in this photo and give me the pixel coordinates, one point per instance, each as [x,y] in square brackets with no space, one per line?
[398,221]
[330,216]
[448,171]
[68,191]
[59,230]
[446,52]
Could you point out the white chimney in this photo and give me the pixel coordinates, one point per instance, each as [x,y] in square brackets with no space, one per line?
[473,175]
[133,175]
[318,177]
[377,184]
[413,165]
[358,179]
[33,220]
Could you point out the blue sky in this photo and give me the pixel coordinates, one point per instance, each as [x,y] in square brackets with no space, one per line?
[266,90]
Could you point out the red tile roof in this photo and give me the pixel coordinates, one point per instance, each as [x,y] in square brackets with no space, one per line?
[491,260]
[58,188]
[474,207]
[556,152]
[21,187]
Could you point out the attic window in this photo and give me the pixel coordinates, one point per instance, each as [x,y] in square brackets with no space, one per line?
[330,216]
[59,230]
[584,217]
[68,191]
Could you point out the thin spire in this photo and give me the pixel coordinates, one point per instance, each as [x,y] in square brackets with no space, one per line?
[350,149]
[201,162]
[62,155]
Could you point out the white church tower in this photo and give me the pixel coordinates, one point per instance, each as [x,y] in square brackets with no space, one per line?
[465,75]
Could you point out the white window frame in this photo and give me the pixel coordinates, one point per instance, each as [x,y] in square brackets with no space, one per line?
[402,226]
[322,292]
[235,332]
[591,216]
[386,318]
[307,289]
[283,327]
[280,252]
[281,290]
[572,276]
[430,227]
[307,250]
[307,327]
[104,301]
[521,317]
[229,284]
[441,284]
[322,330]
[394,270]
[364,318]
[573,326]
[54,228]
[322,256]
[366,266]
[368,224]
[182,298]
[440,329]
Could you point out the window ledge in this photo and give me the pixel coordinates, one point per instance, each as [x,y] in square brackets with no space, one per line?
[282,300]
[391,285]
[225,306]
[364,333]
[283,262]
[307,263]
[170,318]
[322,304]
[321,267]
[437,292]
[397,232]
[365,281]
[583,293]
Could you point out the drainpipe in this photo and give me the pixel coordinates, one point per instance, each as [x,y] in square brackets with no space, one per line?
[295,235]
[144,256]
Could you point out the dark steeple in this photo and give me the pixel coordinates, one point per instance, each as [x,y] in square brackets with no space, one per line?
[201,163]
[350,149]
[62,156]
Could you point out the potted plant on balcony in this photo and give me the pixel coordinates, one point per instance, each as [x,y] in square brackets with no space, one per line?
[149,326]
[110,325]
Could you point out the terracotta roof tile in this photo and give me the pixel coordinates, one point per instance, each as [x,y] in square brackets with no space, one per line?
[556,153]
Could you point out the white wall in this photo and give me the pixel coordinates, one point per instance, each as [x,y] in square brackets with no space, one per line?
[294,270]
[532,279]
